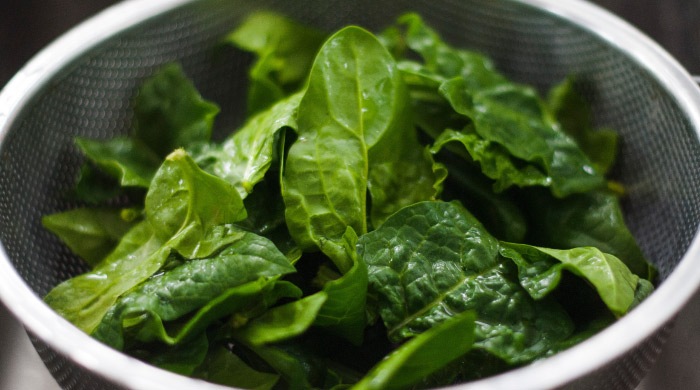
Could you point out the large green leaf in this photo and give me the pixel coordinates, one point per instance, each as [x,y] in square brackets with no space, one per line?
[184,203]
[185,208]
[225,368]
[169,113]
[283,322]
[513,117]
[432,260]
[495,161]
[352,100]
[211,287]
[84,299]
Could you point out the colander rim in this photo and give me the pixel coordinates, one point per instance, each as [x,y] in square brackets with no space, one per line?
[609,344]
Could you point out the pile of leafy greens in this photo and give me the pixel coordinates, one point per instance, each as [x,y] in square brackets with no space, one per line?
[394,213]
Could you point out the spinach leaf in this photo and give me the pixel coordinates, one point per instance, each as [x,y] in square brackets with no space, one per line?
[540,271]
[431,111]
[169,112]
[573,113]
[292,365]
[496,162]
[282,322]
[644,289]
[244,157]
[95,187]
[83,300]
[184,202]
[182,359]
[498,212]
[216,286]
[285,51]
[422,355]
[266,216]
[501,112]
[343,312]
[91,233]
[183,209]
[306,362]
[340,117]
[128,160]
[225,368]
[514,118]
[432,260]
[591,219]
[354,134]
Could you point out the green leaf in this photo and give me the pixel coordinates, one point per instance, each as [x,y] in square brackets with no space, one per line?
[181,359]
[644,289]
[94,186]
[245,157]
[498,212]
[184,209]
[343,312]
[84,299]
[285,51]
[432,113]
[127,159]
[352,100]
[283,322]
[266,216]
[501,112]
[442,60]
[432,260]
[402,172]
[169,112]
[184,202]
[422,355]
[514,118]
[225,368]
[592,219]
[298,368]
[91,233]
[496,162]
[196,285]
[540,271]
[574,115]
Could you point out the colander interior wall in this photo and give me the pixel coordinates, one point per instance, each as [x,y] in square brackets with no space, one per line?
[91,98]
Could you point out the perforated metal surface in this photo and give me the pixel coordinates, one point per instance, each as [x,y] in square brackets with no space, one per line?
[659,159]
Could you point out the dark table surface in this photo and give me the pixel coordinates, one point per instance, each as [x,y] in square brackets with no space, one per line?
[28,25]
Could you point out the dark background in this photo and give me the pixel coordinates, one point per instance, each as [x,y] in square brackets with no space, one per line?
[28,25]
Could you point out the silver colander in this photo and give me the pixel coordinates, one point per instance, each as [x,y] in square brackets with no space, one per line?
[83,83]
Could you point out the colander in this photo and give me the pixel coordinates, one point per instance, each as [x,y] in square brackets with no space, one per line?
[82,85]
